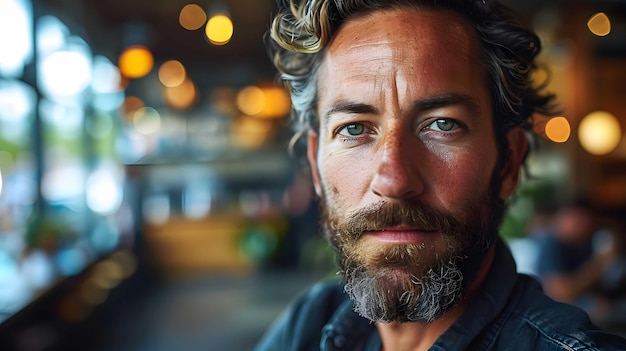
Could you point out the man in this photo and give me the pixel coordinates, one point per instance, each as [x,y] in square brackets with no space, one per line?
[569,268]
[415,115]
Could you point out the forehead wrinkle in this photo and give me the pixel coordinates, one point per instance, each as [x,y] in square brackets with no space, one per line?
[394,63]
[372,31]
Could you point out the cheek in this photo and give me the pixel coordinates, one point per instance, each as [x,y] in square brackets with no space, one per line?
[345,177]
[464,176]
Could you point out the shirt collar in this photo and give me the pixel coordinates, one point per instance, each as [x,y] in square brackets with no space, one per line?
[485,307]
[346,330]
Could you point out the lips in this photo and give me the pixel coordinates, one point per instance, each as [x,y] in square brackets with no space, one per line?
[399,235]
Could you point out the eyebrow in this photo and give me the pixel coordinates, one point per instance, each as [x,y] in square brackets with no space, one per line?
[351,108]
[419,106]
[444,100]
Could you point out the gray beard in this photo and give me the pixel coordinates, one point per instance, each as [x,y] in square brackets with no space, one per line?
[404,297]
[403,283]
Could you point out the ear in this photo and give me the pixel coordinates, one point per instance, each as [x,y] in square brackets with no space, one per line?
[510,173]
[311,149]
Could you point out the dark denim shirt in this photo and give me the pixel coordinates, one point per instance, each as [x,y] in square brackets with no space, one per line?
[509,313]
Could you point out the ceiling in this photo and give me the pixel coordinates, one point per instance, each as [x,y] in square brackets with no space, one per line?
[111,25]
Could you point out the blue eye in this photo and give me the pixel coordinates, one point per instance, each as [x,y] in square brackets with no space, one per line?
[444,124]
[353,129]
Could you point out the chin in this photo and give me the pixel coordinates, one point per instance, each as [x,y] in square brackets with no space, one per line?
[399,294]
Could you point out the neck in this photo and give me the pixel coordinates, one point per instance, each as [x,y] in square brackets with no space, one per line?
[414,336]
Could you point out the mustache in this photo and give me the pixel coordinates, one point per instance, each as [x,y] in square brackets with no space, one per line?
[389,214]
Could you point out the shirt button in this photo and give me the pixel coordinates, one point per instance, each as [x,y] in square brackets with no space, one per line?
[339,341]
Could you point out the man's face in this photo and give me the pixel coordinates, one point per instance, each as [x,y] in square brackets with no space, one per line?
[404,160]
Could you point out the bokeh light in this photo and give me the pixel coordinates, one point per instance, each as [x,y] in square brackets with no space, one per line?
[599,24]
[51,35]
[70,260]
[278,102]
[15,34]
[599,132]
[17,101]
[65,73]
[558,129]
[182,96]
[264,102]
[172,73]
[219,29]
[251,100]
[64,182]
[107,274]
[147,120]
[192,17]
[135,61]
[103,192]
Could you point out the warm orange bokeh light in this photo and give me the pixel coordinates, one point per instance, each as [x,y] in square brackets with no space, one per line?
[278,103]
[135,61]
[182,96]
[251,100]
[219,29]
[265,102]
[192,17]
[558,129]
[599,133]
[599,24]
[172,73]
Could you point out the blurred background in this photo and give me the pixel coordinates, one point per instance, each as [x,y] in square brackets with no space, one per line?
[148,200]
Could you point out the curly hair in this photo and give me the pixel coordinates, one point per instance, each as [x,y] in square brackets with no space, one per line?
[301,31]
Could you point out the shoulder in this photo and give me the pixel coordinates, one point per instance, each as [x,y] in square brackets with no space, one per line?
[303,320]
[550,325]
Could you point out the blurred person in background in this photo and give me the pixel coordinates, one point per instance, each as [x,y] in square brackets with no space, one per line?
[581,260]
[569,265]
[416,116]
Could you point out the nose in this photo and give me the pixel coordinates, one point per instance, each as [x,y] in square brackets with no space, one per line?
[397,174]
